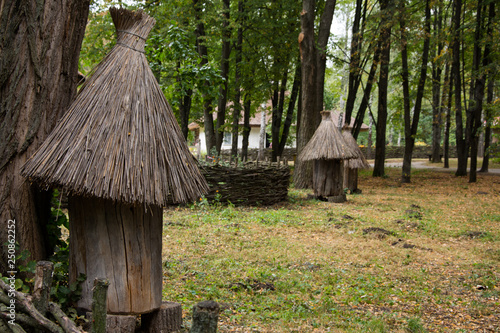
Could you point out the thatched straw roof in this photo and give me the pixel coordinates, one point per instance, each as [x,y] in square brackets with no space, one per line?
[359,162]
[327,142]
[119,139]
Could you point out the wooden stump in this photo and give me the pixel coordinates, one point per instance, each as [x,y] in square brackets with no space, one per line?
[119,242]
[351,180]
[115,323]
[168,318]
[328,178]
[205,317]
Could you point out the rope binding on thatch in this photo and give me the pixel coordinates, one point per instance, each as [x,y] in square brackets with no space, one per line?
[119,139]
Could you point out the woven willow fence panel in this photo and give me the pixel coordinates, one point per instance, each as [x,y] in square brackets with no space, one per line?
[249,185]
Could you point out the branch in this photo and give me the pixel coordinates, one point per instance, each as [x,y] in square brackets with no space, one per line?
[66,323]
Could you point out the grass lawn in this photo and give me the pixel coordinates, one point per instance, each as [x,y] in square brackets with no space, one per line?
[419,257]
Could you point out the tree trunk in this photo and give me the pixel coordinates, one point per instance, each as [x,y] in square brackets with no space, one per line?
[477,89]
[291,108]
[208,118]
[246,127]
[303,170]
[447,91]
[328,179]
[224,72]
[436,90]
[237,83]
[354,63]
[412,126]
[378,170]
[313,61]
[457,83]
[38,78]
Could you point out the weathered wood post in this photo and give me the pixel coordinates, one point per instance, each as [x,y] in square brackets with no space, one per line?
[327,149]
[120,155]
[351,166]
[205,317]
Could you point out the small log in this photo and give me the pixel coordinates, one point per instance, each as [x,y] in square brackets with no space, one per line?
[4,327]
[24,304]
[43,282]
[168,318]
[99,305]
[121,324]
[205,317]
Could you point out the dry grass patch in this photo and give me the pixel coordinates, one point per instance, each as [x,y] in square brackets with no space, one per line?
[398,258]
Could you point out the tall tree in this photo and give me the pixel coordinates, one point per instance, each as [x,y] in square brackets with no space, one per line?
[40,43]
[437,119]
[313,55]
[237,79]
[385,56]
[224,72]
[411,125]
[457,88]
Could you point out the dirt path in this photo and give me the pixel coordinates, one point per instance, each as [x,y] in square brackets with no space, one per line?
[419,164]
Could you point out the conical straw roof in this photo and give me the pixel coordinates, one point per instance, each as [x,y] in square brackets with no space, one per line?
[327,142]
[119,139]
[359,162]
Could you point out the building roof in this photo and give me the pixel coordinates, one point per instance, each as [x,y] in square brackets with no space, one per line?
[359,162]
[119,139]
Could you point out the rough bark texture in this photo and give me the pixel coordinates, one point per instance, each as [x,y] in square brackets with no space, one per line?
[437,119]
[302,175]
[43,283]
[168,318]
[99,305]
[40,43]
[457,84]
[313,59]
[381,126]
[119,242]
[411,125]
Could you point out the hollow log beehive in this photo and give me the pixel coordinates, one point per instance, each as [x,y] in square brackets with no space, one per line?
[327,149]
[119,154]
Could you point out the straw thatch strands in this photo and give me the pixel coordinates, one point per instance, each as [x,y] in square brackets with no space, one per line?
[327,149]
[351,166]
[120,155]
[119,140]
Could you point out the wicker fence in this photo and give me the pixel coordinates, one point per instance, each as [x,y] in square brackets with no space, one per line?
[248,184]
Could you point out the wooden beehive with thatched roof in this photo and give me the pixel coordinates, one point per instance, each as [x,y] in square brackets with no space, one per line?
[351,166]
[119,153]
[327,149]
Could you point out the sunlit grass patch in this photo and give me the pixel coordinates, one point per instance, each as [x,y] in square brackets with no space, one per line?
[397,258]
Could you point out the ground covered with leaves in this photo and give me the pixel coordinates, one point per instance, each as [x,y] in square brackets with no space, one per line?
[419,257]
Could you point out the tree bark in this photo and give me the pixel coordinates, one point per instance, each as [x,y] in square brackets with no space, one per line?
[237,82]
[226,50]
[313,61]
[436,89]
[378,170]
[246,126]
[208,118]
[411,126]
[448,91]
[457,84]
[38,78]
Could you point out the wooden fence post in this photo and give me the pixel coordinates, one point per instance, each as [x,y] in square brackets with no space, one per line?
[205,317]
[41,289]
[99,305]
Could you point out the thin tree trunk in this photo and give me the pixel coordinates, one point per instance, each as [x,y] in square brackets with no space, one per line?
[203,52]
[226,50]
[278,105]
[40,45]
[381,126]
[291,108]
[457,83]
[246,126]
[448,90]
[412,126]
[237,82]
[437,122]
[477,87]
